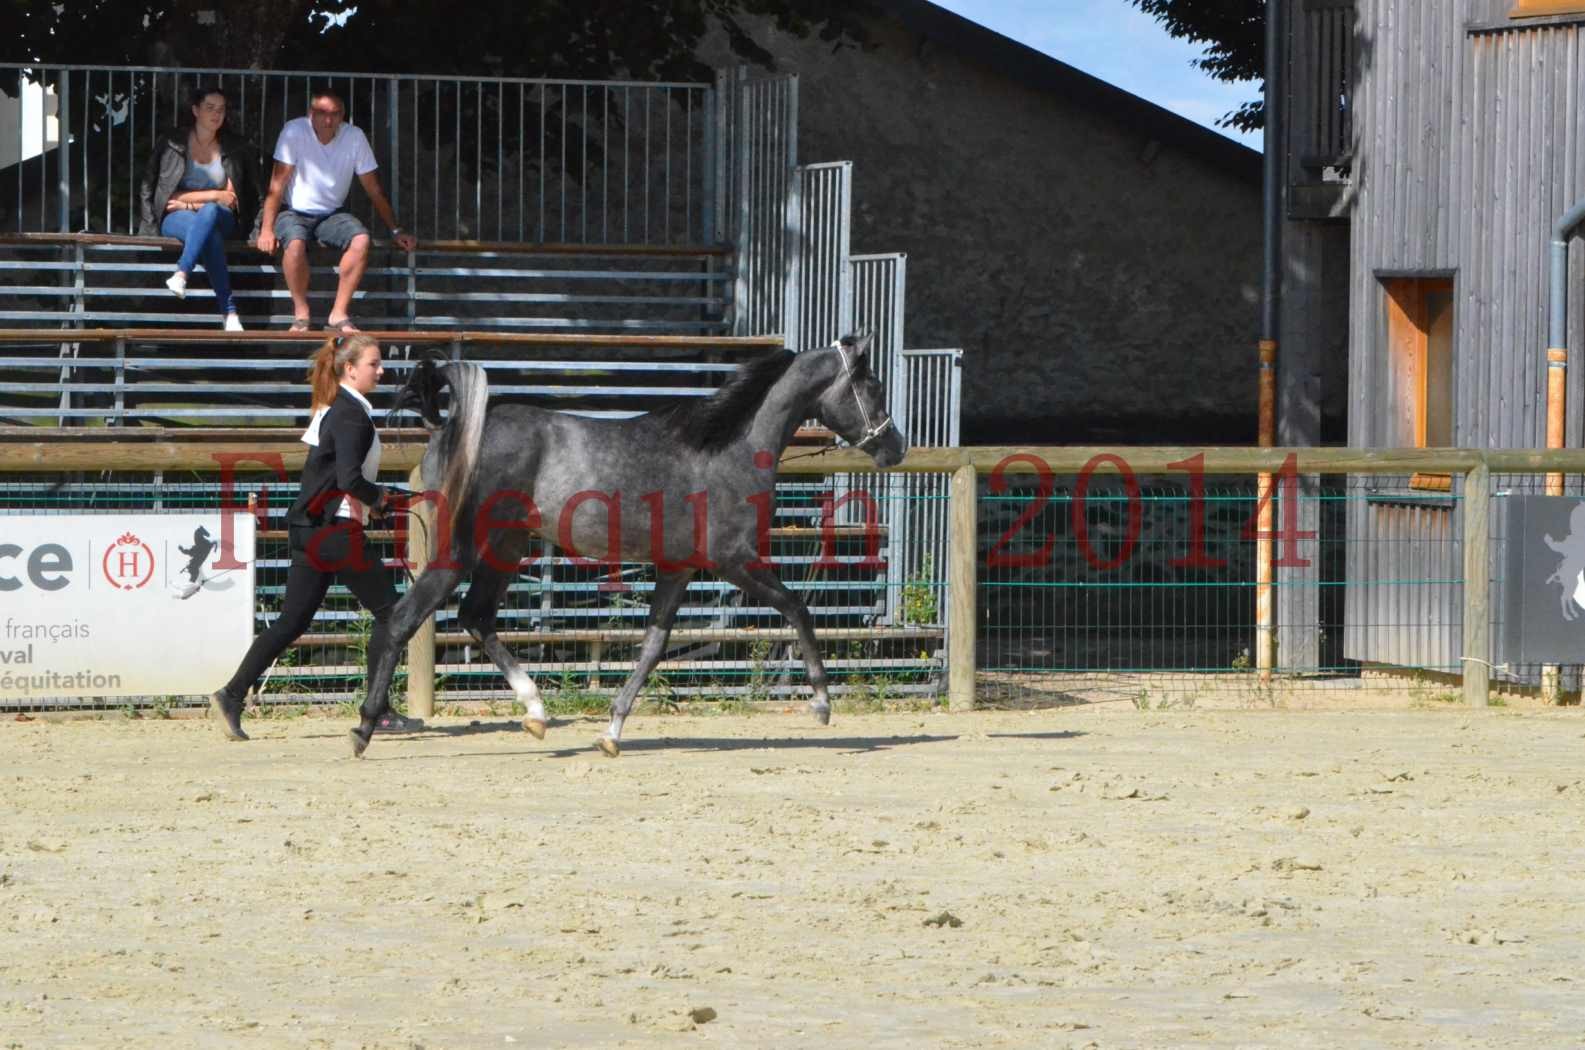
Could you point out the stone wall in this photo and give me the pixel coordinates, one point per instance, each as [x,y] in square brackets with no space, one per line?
[1100,270]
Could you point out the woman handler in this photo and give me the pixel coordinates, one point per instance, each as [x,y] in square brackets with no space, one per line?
[326,523]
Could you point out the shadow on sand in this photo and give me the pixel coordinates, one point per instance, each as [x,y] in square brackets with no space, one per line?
[853,745]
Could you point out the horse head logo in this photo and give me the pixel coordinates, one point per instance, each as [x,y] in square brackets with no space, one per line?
[1570,572]
[197,557]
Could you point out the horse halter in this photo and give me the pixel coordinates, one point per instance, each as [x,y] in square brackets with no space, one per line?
[872,430]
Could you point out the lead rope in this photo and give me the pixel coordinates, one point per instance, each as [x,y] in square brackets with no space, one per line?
[405,507]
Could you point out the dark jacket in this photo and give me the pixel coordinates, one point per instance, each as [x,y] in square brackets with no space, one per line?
[168,163]
[335,466]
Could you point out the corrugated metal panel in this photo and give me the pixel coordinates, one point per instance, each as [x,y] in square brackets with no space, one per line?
[1467,151]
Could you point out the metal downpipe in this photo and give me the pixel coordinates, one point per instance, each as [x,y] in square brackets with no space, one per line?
[1275,102]
[1557,380]
[1557,337]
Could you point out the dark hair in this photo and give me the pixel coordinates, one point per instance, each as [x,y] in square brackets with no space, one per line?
[197,99]
[326,91]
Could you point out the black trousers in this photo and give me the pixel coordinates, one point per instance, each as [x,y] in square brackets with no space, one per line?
[338,551]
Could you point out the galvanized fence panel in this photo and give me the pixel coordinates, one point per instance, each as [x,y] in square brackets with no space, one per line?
[824,274]
[462,158]
[879,290]
[930,400]
[759,131]
[879,295]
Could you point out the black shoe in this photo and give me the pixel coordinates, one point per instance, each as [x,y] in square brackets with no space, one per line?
[230,712]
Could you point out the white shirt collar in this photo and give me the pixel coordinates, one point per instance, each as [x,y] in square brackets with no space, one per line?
[367,408]
[311,435]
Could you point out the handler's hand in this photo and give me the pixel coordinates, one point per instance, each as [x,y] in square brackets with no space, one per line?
[406,241]
[266,242]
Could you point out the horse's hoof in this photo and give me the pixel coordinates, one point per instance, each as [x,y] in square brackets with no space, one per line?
[359,745]
[230,721]
[822,715]
[609,747]
[535,726]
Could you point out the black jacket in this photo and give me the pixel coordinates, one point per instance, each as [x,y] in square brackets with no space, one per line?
[335,466]
[168,162]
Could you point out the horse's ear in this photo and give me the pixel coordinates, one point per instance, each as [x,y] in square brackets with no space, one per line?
[857,344]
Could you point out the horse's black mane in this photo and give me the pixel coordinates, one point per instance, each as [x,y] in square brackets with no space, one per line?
[713,424]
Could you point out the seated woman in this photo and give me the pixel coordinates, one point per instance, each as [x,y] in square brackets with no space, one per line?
[201,186]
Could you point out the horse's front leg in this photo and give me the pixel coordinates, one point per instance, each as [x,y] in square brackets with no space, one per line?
[492,578]
[385,646]
[663,606]
[763,585]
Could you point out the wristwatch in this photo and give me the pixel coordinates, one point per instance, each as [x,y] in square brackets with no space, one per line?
[396,231]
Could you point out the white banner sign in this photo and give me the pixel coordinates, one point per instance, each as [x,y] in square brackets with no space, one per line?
[124,604]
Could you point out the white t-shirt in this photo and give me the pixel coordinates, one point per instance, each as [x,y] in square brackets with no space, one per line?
[324,173]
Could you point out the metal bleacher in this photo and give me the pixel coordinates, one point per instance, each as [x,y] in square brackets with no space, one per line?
[91,340]
[600,328]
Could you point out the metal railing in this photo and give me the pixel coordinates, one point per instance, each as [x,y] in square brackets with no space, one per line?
[87,280]
[127,376]
[465,158]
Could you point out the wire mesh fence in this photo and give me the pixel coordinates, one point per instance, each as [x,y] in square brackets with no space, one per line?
[1093,587]
[576,623]
[1112,588]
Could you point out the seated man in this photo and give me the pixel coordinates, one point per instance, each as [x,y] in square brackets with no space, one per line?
[315,159]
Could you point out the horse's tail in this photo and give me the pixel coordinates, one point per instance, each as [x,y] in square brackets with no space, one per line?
[453,456]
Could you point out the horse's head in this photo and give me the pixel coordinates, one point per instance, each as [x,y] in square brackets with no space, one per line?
[854,405]
[421,392]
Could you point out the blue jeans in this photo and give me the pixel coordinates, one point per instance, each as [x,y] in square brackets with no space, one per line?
[201,233]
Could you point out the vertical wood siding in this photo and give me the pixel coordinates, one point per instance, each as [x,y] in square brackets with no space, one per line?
[1468,149]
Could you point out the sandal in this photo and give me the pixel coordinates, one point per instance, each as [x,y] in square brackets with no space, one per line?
[299,324]
[344,326]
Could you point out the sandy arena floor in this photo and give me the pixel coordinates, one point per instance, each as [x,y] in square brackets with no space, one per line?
[1052,878]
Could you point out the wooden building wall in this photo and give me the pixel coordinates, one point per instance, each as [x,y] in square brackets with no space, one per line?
[1469,144]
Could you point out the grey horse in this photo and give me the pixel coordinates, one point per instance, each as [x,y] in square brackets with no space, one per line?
[687,489]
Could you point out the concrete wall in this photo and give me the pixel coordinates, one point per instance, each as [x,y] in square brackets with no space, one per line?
[1102,278]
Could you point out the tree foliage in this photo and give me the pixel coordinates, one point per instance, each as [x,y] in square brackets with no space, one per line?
[604,39]
[1234,35]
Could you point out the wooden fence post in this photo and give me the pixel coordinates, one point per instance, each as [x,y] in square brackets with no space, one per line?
[1477,586]
[421,647]
[962,550]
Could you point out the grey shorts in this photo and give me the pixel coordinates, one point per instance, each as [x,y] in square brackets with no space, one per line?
[336,229]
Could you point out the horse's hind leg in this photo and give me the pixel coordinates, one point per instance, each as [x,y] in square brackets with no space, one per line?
[764,585]
[486,591]
[427,594]
[663,606]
